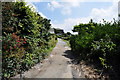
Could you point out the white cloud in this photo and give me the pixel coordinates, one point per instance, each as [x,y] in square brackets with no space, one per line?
[73,3]
[54,4]
[107,14]
[66,11]
[97,14]
[66,6]
[70,22]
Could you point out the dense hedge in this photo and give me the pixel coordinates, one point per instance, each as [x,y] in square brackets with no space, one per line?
[26,38]
[98,43]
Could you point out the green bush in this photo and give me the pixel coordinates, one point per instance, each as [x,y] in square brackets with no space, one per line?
[26,38]
[102,49]
[97,42]
[12,53]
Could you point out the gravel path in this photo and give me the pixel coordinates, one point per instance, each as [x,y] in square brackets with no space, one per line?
[57,65]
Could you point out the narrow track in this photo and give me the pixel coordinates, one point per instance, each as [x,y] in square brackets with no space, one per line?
[57,65]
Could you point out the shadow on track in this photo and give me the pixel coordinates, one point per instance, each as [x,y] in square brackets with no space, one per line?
[69,54]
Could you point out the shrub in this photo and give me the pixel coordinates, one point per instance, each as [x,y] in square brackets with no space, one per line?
[102,50]
[26,38]
[97,42]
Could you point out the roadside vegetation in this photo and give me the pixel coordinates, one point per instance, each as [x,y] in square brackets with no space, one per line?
[98,44]
[26,39]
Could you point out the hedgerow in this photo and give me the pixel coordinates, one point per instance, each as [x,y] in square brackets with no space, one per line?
[98,43]
[26,38]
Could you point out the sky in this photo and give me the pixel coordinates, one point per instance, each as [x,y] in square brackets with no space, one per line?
[65,14]
[119,10]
